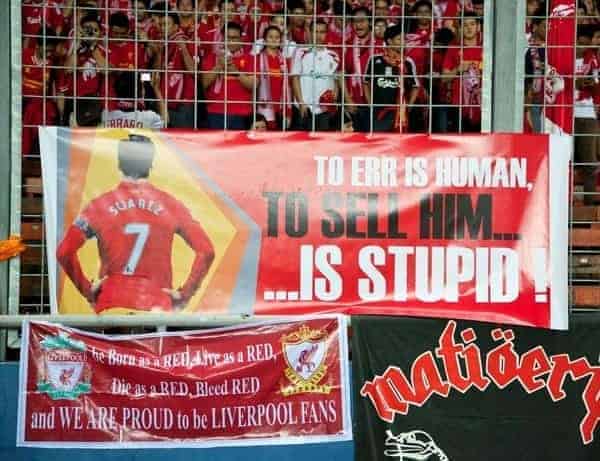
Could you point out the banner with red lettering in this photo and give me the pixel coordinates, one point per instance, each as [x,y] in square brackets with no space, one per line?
[278,382]
[439,390]
[469,226]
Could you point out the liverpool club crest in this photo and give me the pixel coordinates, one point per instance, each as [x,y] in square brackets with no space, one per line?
[66,373]
[305,351]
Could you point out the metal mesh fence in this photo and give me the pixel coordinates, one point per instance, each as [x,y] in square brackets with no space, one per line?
[572,98]
[367,65]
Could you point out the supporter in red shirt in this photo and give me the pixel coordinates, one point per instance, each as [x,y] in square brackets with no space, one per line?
[229,75]
[187,17]
[441,94]
[339,26]
[31,21]
[382,10]
[123,51]
[445,11]
[38,107]
[288,47]
[143,19]
[418,43]
[135,224]
[84,64]
[397,8]
[274,93]
[380,26]
[462,67]
[359,48]
[210,30]
[178,59]
[253,17]
[188,24]
[58,15]
[298,30]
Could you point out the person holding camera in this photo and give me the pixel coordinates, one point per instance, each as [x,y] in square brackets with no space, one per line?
[82,76]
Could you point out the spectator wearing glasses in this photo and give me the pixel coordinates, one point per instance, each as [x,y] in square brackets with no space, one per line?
[229,82]
[391,84]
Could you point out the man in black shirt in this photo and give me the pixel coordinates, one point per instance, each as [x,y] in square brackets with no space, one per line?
[391,84]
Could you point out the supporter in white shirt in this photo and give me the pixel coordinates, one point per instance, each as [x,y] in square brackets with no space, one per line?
[127,115]
[315,85]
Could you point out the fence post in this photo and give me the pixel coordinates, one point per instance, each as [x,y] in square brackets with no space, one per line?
[508,67]
[6,159]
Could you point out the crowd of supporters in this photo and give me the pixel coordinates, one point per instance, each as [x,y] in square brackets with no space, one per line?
[362,65]
[540,86]
[354,65]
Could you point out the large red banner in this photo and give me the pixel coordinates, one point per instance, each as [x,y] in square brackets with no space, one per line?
[272,383]
[471,227]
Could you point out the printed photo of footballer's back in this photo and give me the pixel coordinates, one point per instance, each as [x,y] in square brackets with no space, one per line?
[134,225]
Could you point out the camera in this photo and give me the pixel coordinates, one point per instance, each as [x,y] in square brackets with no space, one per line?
[88,34]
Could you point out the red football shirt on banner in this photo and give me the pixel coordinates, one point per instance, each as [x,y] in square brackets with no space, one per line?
[561,67]
[135,225]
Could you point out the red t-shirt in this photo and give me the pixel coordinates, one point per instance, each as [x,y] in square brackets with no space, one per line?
[466,90]
[89,78]
[177,86]
[55,17]
[251,28]
[122,55]
[135,225]
[418,50]
[300,36]
[34,75]
[31,19]
[276,66]
[235,90]
[444,11]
